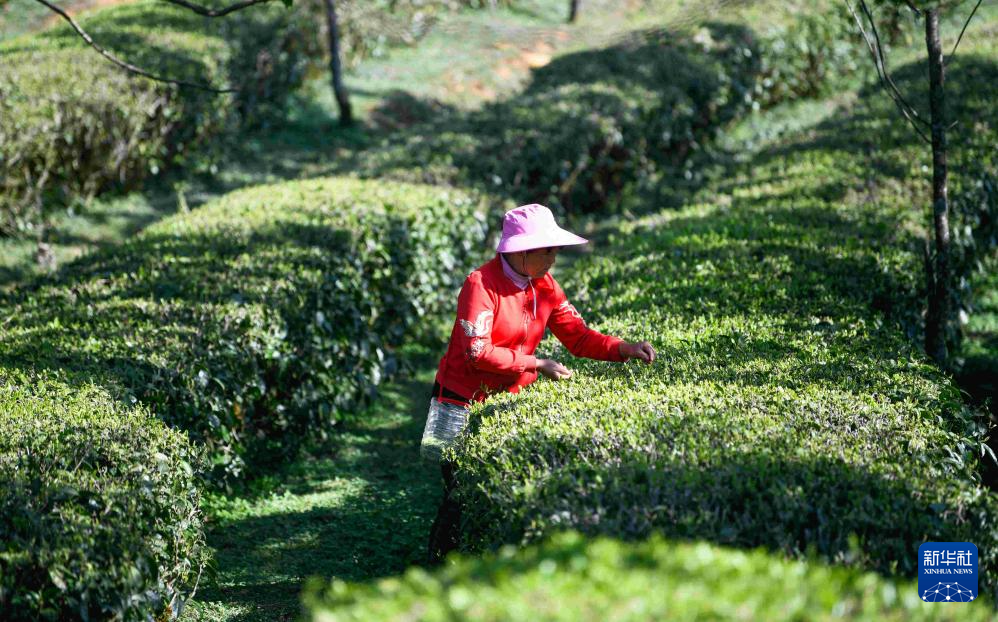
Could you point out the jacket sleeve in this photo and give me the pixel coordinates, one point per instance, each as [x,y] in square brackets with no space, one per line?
[475,313]
[568,326]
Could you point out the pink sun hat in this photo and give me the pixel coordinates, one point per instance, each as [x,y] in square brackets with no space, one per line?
[532,226]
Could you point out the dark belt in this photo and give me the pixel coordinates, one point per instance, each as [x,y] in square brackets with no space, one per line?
[441,391]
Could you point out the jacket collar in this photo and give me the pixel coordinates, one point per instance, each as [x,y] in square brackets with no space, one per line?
[518,279]
[494,270]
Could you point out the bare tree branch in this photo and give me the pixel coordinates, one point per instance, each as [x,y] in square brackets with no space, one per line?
[123,64]
[915,9]
[201,10]
[909,113]
[960,38]
[883,63]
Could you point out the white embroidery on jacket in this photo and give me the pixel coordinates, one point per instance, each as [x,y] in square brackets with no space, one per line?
[477,347]
[481,327]
[571,309]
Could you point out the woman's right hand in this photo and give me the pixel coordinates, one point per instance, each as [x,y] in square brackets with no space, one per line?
[553,369]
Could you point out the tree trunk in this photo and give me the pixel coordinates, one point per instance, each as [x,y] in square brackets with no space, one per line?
[335,68]
[573,10]
[940,295]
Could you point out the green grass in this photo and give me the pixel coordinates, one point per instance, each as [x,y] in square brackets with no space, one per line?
[357,509]
[480,56]
[460,63]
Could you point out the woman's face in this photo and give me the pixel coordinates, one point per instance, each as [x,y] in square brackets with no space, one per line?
[535,263]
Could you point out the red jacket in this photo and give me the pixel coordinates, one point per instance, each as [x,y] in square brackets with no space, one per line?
[498,328]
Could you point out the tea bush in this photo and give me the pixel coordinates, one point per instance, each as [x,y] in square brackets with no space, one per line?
[259,319]
[73,125]
[574,578]
[99,510]
[809,55]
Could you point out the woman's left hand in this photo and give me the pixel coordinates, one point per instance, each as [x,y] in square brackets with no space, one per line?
[638,350]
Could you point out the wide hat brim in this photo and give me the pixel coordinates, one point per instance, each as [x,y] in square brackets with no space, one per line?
[555,236]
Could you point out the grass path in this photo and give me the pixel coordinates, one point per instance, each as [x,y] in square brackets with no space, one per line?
[359,508]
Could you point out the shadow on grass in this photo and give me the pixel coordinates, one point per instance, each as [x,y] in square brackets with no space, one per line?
[357,508]
[979,378]
[979,374]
